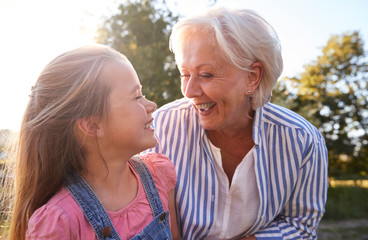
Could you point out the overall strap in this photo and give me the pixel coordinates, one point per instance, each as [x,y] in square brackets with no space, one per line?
[92,208]
[148,184]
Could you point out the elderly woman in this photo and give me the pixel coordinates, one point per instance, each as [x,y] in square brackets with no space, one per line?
[247,168]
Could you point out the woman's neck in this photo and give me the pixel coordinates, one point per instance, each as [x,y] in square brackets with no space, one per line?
[233,145]
[238,133]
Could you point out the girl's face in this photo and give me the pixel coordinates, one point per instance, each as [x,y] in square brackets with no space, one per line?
[216,87]
[128,126]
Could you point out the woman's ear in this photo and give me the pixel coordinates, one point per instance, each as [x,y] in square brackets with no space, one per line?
[90,127]
[254,77]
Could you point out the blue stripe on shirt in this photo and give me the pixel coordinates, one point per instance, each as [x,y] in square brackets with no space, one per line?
[290,164]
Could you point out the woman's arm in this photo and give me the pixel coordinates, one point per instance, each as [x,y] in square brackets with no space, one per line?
[305,207]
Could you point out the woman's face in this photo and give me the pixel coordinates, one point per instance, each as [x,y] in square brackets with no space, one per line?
[216,87]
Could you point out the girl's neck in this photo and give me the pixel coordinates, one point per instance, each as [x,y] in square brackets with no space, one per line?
[113,182]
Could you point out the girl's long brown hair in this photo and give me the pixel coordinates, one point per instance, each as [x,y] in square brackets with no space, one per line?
[70,87]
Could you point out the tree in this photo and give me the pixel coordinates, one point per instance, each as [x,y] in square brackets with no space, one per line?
[140,30]
[332,93]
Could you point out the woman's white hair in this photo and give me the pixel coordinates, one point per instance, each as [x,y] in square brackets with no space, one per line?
[244,37]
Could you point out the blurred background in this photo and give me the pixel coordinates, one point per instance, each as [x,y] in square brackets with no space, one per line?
[325,73]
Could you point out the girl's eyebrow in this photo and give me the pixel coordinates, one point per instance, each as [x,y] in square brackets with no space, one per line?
[135,88]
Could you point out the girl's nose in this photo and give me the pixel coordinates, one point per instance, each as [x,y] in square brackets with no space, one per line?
[151,106]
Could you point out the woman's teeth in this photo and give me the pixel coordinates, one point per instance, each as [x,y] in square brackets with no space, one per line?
[205,106]
[148,125]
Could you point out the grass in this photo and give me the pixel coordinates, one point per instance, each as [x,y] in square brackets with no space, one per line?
[343,230]
[346,216]
[4,227]
[346,203]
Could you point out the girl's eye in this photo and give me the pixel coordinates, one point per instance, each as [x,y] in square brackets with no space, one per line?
[140,97]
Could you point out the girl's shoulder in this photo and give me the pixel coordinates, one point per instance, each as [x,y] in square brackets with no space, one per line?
[161,168]
[58,218]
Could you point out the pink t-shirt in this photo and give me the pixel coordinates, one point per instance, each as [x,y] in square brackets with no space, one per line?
[62,218]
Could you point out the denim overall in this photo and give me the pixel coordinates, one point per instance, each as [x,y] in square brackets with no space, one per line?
[97,216]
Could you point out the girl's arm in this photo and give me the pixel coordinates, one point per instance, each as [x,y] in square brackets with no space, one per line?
[173,222]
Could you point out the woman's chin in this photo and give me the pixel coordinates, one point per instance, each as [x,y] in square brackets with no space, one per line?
[207,125]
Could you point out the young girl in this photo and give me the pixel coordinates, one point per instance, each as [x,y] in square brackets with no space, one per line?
[77,174]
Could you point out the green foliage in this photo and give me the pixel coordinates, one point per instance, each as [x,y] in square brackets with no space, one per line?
[332,93]
[345,203]
[140,30]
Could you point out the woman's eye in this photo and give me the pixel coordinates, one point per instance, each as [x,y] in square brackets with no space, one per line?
[206,75]
[184,76]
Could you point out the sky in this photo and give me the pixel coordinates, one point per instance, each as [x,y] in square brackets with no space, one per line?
[33,32]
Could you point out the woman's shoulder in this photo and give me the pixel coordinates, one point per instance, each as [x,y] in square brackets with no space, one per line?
[161,168]
[177,114]
[276,114]
[177,105]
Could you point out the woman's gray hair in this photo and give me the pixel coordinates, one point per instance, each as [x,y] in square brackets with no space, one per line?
[244,37]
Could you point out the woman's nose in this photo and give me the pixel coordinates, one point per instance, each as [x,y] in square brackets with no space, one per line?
[191,88]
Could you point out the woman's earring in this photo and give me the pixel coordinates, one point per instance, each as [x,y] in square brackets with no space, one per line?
[249,91]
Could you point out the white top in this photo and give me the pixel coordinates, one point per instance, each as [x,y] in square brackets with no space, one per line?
[238,204]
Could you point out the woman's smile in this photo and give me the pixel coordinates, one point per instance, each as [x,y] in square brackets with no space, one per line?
[205,107]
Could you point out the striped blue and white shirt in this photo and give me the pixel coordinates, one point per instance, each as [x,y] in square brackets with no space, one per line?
[290,161]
